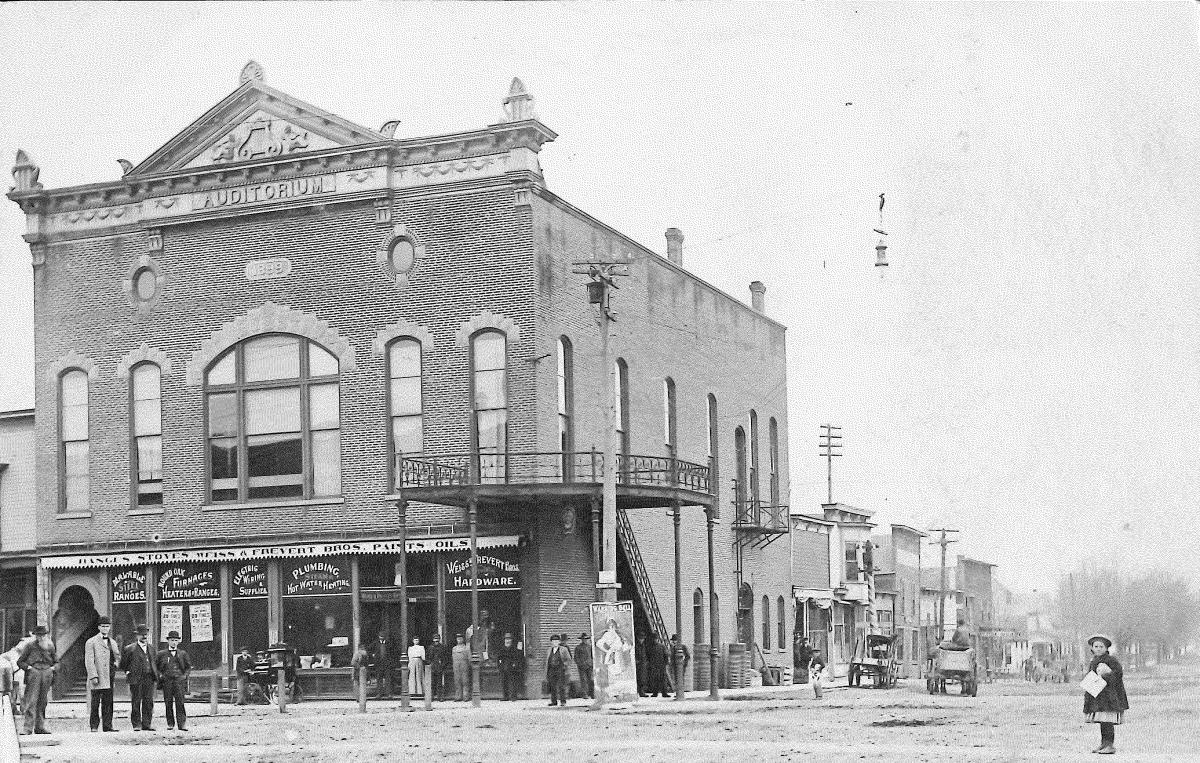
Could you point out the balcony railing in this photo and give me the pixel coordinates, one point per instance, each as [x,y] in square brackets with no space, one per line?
[753,514]
[422,470]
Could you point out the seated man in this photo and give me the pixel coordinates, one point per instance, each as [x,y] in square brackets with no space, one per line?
[961,640]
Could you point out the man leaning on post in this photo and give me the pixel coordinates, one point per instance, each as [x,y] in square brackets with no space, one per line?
[100,660]
[140,673]
[173,666]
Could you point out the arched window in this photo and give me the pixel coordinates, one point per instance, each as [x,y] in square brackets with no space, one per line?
[698,634]
[622,403]
[146,420]
[781,622]
[73,440]
[740,493]
[713,448]
[755,492]
[566,405]
[670,430]
[766,622]
[489,396]
[273,417]
[714,612]
[745,614]
[404,396]
[773,434]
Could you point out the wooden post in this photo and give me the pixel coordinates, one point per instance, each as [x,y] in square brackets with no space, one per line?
[677,517]
[402,507]
[428,686]
[476,656]
[281,690]
[214,685]
[713,615]
[362,690]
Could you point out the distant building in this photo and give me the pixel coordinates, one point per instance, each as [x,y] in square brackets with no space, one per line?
[18,527]
[852,577]
[898,567]
[812,579]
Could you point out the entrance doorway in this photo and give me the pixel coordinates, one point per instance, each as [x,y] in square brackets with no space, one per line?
[74,623]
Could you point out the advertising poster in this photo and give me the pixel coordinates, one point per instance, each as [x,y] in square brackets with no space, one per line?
[613,651]
[202,624]
[172,620]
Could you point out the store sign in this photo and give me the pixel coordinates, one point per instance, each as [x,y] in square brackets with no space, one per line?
[188,582]
[316,577]
[128,586]
[249,581]
[184,556]
[498,571]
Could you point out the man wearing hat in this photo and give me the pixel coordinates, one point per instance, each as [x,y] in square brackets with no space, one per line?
[173,666]
[39,662]
[138,665]
[100,659]
[583,661]
[511,662]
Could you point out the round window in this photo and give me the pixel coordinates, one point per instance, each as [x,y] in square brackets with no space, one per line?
[145,285]
[401,256]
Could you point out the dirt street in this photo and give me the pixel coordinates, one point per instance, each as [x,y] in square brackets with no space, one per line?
[1009,720]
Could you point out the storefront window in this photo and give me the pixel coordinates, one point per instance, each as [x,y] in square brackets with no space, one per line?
[499,596]
[128,602]
[189,602]
[249,605]
[18,602]
[316,610]
[383,571]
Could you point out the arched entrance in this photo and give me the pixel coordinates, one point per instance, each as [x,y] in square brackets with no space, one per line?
[74,623]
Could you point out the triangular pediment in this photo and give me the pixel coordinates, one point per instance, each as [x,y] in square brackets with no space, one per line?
[255,123]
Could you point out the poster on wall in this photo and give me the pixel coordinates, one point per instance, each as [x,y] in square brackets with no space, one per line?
[613,651]
[172,620]
[202,624]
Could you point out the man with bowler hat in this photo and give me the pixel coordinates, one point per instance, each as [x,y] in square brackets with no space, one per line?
[583,661]
[100,659]
[438,657]
[512,664]
[173,666]
[39,662]
[138,664]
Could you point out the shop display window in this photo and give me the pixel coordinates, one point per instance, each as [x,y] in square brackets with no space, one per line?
[316,610]
[249,607]
[189,602]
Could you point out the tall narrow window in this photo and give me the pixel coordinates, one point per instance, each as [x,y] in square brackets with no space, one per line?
[780,622]
[566,404]
[773,434]
[73,440]
[713,443]
[670,430]
[714,614]
[404,395]
[146,415]
[745,614]
[622,403]
[698,634]
[755,490]
[766,623]
[741,493]
[489,394]
[273,421]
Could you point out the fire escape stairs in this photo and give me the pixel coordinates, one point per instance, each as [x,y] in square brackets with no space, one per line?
[641,579]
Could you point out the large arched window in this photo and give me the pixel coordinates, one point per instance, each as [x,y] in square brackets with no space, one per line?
[773,434]
[740,493]
[404,395]
[145,416]
[766,622]
[73,440]
[566,405]
[755,491]
[273,420]
[622,402]
[781,622]
[698,635]
[489,396]
[670,430]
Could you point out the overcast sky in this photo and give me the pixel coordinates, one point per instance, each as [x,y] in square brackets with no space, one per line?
[1027,371]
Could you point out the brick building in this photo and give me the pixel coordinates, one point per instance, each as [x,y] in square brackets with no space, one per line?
[898,568]
[286,348]
[18,527]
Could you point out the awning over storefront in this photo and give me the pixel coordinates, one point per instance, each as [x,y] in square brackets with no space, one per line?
[822,597]
[291,551]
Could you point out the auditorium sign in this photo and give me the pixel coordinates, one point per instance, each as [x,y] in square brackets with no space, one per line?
[260,193]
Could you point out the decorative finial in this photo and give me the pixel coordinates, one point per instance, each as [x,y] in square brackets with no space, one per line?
[25,172]
[389,128]
[518,105]
[126,166]
[251,71]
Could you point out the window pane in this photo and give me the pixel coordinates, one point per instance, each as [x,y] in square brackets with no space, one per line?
[274,455]
[223,371]
[402,255]
[149,459]
[272,357]
[75,422]
[149,494]
[222,415]
[321,362]
[147,417]
[488,351]
[489,389]
[327,462]
[74,388]
[76,489]
[323,404]
[406,434]
[406,396]
[223,454]
[273,410]
[491,426]
[404,358]
[146,382]
[75,469]
[145,284]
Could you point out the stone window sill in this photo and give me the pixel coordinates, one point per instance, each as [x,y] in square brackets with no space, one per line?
[292,503]
[145,512]
[73,515]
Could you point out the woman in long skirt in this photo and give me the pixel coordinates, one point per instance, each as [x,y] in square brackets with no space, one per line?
[416,668]
[1108,707]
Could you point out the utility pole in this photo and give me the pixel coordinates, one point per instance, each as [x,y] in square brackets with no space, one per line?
[830,442]
[943,541]
[600,293]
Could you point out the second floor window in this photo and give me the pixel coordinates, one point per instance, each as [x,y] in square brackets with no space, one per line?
[146,421]
[489,397]
[773,435]
[670,430]
[404,395]
[566,402]
[73,440]
[622,403]
[273,418]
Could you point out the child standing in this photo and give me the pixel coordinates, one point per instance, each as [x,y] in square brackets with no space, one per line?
[1108,707]
[815,666]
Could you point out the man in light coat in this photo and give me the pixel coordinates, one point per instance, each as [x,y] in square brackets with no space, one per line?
[100,658]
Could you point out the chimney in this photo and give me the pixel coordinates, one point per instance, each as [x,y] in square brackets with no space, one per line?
[675,246]
[758,296]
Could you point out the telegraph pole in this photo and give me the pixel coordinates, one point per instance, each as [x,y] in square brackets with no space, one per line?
[943,541]
[830,442]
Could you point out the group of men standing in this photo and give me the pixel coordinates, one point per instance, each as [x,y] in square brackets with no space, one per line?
[449,666]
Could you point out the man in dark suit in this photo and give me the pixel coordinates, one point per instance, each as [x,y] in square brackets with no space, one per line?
[438,656]
[138,665]
[512,664]
[382,654]
[173,667]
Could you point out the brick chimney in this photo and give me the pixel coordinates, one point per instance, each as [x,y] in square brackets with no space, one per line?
[758,296]
[675,246]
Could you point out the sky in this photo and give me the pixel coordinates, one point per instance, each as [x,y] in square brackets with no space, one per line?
[1026,368]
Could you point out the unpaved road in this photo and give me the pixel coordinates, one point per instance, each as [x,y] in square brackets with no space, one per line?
[1008,721]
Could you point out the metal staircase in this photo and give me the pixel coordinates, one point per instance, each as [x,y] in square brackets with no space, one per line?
[641,580]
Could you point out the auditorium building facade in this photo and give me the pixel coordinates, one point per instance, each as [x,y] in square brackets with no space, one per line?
[296,378]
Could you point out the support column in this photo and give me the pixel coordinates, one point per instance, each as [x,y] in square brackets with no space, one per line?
[595,502]
[226,574]
[676,518]
[152,606]
[402,510]
[714,691]
[473,519]
[274,603]
[355,605]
